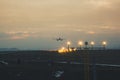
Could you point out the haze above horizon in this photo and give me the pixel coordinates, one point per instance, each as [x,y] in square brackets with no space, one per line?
[33,24]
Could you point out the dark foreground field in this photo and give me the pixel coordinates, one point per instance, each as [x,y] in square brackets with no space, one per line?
[50,65]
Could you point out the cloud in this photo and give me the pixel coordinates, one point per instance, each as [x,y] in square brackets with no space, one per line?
[108,27]
[16,35]
[100,3]
[78,30]
[91,32]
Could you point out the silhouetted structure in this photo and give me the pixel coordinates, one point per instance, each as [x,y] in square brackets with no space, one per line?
[86,44]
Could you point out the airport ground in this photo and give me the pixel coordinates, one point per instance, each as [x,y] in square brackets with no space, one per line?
[51,65]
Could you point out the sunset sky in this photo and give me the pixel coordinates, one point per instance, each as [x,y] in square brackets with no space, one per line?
[34,24]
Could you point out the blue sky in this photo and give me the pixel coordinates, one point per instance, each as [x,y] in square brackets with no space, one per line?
[34,24]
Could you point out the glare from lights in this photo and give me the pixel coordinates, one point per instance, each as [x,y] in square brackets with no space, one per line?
[104,43]
[80,43]
[62,50]
[68,43]
[92,43]
[81,46]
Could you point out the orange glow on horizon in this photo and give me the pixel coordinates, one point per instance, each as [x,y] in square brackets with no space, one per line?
[64,50]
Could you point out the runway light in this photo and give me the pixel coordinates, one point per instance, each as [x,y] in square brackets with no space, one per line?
[74,49]
[68,45]
[92,43]
[104,43]
[80,43]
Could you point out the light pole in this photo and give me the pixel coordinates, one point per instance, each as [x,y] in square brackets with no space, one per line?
[104,43]
[80,43]
[92,44]
[68,44]
[86,44]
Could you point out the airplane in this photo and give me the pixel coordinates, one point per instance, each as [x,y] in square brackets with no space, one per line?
[59,39]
